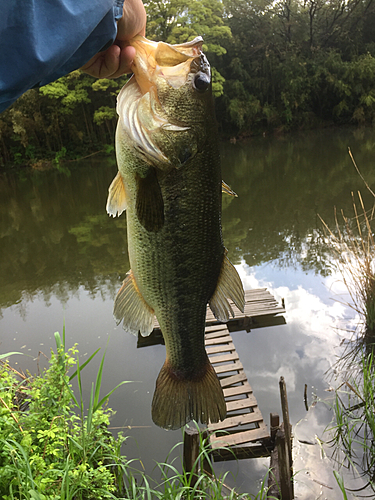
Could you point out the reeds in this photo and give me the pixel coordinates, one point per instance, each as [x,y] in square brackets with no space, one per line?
[353,245]
[353,427]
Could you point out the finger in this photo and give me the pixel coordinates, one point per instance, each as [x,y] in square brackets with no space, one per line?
[126,57]
[110,62]
[104,64]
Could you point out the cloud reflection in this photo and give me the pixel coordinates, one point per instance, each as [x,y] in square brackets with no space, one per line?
[303,351]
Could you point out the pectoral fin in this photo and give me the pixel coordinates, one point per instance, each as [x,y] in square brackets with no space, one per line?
[226,189]
[116,202]
[229,286]
[149,202]
[131,308]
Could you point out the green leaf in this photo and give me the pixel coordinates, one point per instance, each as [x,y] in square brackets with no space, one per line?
[3,356]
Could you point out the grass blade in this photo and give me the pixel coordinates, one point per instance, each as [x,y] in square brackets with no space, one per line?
[84,364]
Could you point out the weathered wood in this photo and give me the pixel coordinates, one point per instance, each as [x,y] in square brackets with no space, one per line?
[274,476]
[223,358]
[244,421]
[240,404]
[284,465]
[240,438]
[246,434]
[260,308]
[245,418]
[216,330]
[285,410]
[237,390]
[191,453]
[219,340]
[234,379]
[251,323]
[257,302]
[257,450]
[229,367]
[220,349]
[274,424]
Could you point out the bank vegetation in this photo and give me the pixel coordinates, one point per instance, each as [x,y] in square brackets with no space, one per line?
[278,65]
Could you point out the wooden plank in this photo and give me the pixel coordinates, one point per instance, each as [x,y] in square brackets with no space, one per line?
[224,358]
[234,379]
[241,404]
[263,321]
[211,330]
[220,340]
[257,304]
[237,390]
[239,437]
[244,419]
[219,349]
[228,367]
[216,335]
[250,450]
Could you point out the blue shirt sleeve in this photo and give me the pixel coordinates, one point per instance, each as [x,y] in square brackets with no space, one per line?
[42,40]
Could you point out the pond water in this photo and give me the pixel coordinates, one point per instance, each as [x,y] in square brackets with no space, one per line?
[63,260]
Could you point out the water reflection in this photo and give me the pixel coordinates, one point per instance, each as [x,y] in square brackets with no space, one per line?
[283,183]
[55,235]
[58,246]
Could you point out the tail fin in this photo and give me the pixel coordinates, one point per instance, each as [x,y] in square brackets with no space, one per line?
[177,401]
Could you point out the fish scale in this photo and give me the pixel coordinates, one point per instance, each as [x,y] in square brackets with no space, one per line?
[169,182]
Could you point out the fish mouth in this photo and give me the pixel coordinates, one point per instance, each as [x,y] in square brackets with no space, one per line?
[155,60]
[144,104]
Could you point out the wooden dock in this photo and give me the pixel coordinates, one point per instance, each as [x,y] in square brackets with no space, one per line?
[261,309]
[244,433]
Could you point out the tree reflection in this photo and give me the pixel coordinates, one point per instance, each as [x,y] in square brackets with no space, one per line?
[56,237]
[283,184]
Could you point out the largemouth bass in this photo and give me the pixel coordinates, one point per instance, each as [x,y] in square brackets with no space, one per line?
[169,182]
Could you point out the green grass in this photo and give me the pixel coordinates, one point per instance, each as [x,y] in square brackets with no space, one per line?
[52,448]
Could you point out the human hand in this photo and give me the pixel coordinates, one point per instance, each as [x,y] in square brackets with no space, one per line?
[118,58]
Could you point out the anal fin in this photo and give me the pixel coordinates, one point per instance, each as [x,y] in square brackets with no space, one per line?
[116,202]
[229,286]
[131,308]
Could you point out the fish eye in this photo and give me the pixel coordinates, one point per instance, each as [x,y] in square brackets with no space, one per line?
[201,82]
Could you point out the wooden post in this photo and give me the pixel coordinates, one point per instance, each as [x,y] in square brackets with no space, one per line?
[274,425]
[191,452]
[287,427]
[284,465]
[274,475]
